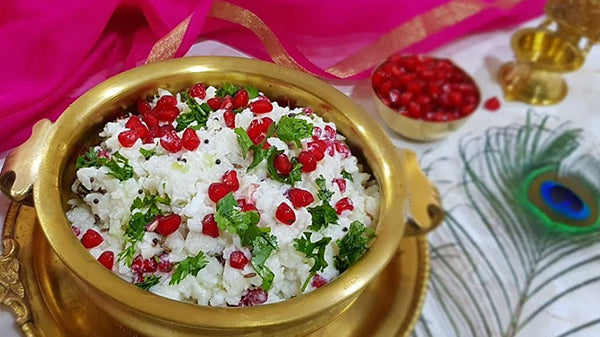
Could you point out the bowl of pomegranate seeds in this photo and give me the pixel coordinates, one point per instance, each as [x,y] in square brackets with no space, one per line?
[185,199]
[423,98]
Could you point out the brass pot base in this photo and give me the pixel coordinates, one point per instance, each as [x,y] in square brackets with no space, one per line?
[538,87]
[54,306]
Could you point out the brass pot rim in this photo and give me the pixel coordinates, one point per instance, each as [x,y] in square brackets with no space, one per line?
[378,149]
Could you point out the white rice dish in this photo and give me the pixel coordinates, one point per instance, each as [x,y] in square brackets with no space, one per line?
[187,264]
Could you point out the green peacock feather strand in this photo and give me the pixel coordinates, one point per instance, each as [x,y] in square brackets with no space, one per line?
[523,218]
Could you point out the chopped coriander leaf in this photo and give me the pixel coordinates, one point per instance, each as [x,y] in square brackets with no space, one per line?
[296,173]
[262,247]
[353,245]
[243,140]
[198,113]
[227,89]
[166,200]
[323,194]
[128,252]
[147,153]
[149,282]
[252,92]
[322,216]
[231,219]
[119,167]
[190,266]
[315,251]
[347,176]
[290,129]
[136,227]
[90,159]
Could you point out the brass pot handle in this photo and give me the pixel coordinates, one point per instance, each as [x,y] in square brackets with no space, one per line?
[21,166]
[425,207]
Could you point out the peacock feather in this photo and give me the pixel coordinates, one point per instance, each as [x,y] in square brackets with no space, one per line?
[520,244]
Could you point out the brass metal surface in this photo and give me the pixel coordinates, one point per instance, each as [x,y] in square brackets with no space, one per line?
[389,306]
[152,315]
[416,129]
[544,53]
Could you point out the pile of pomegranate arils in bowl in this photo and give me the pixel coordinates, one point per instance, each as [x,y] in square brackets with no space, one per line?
[425,88]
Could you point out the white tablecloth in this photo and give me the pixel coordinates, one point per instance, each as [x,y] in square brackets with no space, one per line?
[480,55]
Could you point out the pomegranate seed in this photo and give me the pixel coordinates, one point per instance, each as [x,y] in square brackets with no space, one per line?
[107,259]
[344,204]
[226,103]
[261,106]
[253,297]
[214,103]
[168,224]
[141,131]
[425,88]
[164,265]
[149,265]
[300,197]
[190,139]
[230,180]
[414,87]
[91,239]
[341,182]
[342,148]
[317,148]
[198,90]
[127,138]
[143,107]
[216,191]
[150,119]
[136,264]
[308,111]
[308,161]
[240,99]
[492,104]
[258,128]
[209,226]
[455,98]
[167,101]
[76,231]
[318,281]
[229,117]
[167,113]
[329,132]
[282,164]
[238,260]
[265,123]
[378,78]
[317,132]
[133,122]
[170,141]
[285,214]
[249,208]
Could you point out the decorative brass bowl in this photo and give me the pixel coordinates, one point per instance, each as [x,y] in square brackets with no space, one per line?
[419,129]
[416,129]
[42,171]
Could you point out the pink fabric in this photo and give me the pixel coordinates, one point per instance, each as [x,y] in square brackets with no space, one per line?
[53,51]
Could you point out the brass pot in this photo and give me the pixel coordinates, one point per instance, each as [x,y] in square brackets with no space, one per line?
[42,170]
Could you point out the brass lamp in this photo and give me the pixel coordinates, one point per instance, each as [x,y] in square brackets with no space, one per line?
[558,45]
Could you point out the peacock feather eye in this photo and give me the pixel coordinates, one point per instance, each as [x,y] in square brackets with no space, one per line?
[561,202]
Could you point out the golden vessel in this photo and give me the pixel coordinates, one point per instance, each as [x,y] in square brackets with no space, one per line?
[43,169]
[557,46]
